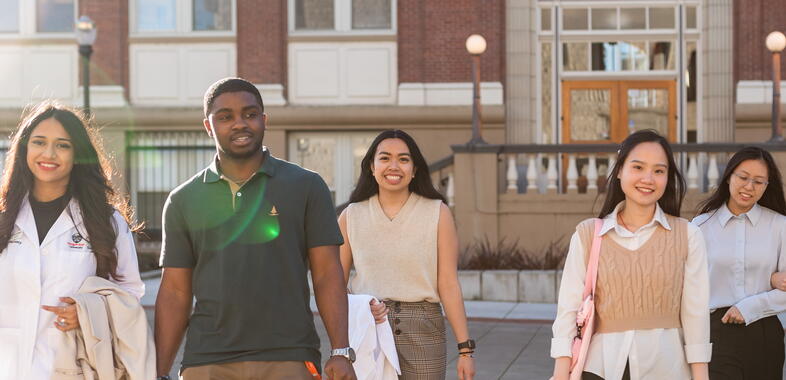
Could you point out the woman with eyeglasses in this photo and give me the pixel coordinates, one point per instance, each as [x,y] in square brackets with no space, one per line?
[744,225]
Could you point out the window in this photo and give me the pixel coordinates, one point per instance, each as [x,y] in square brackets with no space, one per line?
[212,15]
[314,15]
[182,16]
[55,16]
[615,56]
[662,18]
[604,18]
[157,163]
[371,14]
[9,18]
[575,19]
[155,16]
[545,19]
[633,18]
[342,16]
[336,156]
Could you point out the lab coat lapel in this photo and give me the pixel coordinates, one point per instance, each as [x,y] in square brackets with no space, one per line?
[26,222]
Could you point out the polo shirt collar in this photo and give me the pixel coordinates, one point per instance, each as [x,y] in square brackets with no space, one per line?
[269,165]
[753,215]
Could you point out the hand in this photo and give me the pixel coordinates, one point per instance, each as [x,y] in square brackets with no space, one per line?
[465,368]
[733,315]
[339,368]
[778,281]
[379,310]
[65,316]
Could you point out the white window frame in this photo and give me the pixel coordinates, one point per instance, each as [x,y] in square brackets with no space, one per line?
[342,21]
[556,36]
[184,22]
[28,26]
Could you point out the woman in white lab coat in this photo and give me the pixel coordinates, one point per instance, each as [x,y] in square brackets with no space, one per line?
[60,222]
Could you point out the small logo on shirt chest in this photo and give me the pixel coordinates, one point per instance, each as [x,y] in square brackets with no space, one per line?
[77,241]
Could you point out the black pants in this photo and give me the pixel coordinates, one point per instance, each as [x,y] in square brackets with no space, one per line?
[592,376]
[739,352]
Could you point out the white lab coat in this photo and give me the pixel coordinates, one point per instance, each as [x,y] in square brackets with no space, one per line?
[32,275]
[375,348]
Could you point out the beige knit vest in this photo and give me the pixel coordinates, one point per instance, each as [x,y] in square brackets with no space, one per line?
[640,289]
[395,259]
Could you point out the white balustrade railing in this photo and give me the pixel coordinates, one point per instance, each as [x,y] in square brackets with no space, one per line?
[582,172]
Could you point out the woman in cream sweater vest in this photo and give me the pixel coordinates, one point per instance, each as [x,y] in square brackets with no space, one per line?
[744,224]
[400,237]
[651,320]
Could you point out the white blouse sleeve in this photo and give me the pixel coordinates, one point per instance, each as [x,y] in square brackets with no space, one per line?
[762,305]
[570,291]
[694,311]
[127,263]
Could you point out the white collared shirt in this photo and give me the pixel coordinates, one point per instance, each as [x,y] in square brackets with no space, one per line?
[743,252]
[653,354]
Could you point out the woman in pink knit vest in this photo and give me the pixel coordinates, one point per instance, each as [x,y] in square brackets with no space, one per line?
[745,229]
[652,292]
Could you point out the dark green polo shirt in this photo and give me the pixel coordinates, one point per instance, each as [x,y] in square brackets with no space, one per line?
[250,261]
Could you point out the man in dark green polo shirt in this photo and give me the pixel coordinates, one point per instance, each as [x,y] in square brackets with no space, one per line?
[240,237]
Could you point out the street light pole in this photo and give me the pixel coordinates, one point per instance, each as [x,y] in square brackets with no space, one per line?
[476,45]
[85,51]
[776,42]
[85,37]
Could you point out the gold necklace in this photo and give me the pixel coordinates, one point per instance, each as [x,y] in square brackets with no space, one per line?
[622,221]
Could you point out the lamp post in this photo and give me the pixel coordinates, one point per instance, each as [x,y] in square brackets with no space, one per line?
[776,42]
[85,37]
[476,45]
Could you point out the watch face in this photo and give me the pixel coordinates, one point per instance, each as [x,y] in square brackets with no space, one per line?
[351,355]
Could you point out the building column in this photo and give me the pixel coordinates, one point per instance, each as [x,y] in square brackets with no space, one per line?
[717,72]
[520,81]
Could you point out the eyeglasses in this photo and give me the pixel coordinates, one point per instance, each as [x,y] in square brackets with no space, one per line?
[746,180]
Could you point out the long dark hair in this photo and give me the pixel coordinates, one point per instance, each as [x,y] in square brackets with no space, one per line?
[88,183]
[773,196]
[367,185]
[671,201]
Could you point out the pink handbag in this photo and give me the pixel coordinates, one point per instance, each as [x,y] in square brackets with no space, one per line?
[585,318]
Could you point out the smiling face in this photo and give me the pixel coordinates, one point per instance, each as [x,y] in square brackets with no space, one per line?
[747,184]
[237,124]
[50,154]
[393,167]
[644,175]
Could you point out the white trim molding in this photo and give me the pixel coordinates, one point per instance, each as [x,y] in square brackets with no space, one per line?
[272,94]
[103,96]
[448,94]
[756,92]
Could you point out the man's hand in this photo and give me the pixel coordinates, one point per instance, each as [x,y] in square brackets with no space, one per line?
[339,368]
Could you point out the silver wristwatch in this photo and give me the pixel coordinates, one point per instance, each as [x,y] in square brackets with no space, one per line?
[346,352]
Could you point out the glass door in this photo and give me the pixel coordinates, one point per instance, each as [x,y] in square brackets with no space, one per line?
[609,111]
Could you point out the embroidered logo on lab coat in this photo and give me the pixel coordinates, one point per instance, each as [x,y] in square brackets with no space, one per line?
[16,238]
[77,241]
